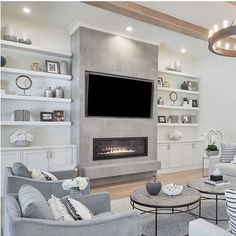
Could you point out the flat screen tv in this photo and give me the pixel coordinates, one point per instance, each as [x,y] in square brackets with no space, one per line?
[118,96]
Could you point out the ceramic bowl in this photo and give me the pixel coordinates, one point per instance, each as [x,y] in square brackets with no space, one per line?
[172,189]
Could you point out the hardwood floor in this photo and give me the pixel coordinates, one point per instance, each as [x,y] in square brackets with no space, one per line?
[123,190]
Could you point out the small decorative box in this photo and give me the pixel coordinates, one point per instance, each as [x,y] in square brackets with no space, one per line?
[216,177]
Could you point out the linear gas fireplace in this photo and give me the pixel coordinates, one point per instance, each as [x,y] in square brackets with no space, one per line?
[113,148]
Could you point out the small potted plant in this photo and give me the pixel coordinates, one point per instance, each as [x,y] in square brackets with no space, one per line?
[212,134]
[75,186]
[21,138]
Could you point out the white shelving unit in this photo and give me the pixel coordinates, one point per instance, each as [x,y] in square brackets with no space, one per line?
[178,90]
[35,123]
[45,75]
[179,74]
[178,107]
[35,98]
[34,49]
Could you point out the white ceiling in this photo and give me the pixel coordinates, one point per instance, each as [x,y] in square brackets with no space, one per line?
[60,15]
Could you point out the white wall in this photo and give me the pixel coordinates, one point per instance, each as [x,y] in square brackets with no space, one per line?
[218,95]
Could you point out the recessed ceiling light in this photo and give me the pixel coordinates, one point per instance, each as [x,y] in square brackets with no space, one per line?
[183,50]
[129,28]
[26,10]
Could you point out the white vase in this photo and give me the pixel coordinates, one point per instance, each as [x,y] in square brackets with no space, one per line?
[75,194]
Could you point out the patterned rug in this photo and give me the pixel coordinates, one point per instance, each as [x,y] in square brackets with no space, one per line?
[171,225]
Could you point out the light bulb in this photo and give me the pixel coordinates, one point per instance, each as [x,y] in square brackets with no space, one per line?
[227,46]
[211,32]
[215,27]
[225,23]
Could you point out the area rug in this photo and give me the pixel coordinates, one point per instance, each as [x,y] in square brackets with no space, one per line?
[171,225]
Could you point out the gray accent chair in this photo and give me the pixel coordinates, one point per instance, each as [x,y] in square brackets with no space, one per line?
[13,183]
[201,227]
[105,223]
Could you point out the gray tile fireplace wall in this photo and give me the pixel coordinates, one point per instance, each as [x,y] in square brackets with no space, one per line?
[106,53]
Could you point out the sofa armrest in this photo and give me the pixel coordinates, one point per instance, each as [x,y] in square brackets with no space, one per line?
[213,160]
[96,202]
[65,174]
[204,228]
[120,224]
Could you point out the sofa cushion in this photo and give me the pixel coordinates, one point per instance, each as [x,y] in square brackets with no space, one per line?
[227,153]
[33,204]
[19,169]
[59,210]
[231,208]
[43,175]
[227,169]
[78,210]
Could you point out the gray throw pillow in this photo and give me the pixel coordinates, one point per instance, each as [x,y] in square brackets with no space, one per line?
[227,153]
[33,204]
[19,169]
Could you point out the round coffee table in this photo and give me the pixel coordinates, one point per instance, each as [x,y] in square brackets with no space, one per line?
[185,202]
[214,193]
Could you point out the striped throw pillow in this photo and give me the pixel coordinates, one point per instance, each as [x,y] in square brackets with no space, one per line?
[230,195]
[227,153]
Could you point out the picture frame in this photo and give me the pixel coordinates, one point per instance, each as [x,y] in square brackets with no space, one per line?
[160,82]
[161,119]
[46,116]
[186,119]
[192,85]
[52,67]
[194,103]
[58,115]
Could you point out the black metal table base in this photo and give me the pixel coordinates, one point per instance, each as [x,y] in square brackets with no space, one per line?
[172,210]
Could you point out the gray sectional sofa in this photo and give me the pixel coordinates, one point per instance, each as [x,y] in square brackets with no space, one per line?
[104,224]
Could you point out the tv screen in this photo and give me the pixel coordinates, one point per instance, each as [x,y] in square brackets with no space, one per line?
[118,96]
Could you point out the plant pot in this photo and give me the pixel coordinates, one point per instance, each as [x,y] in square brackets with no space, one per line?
[153,188]
[22,143]
[75,194]
[212,153]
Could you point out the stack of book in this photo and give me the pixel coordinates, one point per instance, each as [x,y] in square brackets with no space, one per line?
[217,183]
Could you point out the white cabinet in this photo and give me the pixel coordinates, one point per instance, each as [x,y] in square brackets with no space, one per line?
[7,159]
[177,155]
[37,158]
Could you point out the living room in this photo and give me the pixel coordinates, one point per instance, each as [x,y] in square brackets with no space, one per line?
[128,96]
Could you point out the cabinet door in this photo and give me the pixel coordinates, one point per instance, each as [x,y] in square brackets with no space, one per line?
[163,155]
[174,155]
[37,158]
[7,160]
[62,158]
[198,152]
[186,154]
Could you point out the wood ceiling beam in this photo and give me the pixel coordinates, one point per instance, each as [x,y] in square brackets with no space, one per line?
[150,16]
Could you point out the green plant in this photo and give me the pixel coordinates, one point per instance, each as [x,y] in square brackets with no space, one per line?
[212,147]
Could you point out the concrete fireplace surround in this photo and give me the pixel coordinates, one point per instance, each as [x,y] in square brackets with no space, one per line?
[106,53]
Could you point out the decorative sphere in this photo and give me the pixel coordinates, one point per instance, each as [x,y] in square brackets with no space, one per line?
[3,61]
[153,187]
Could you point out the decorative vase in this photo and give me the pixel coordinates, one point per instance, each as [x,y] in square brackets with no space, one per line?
[184,86]
[212,153]
[3,61]
[64,67]
[22,143]
[153,187]
[75,194]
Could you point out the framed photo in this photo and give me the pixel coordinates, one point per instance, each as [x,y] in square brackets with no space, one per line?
[46,116]
[160,82]
[186,119]
[59,115]
[53,67]
[161,119]
[192,85]
[194,103]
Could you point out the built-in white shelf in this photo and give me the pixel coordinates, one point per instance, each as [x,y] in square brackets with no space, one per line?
[35,98]
[35,49]
[178,107]
[37,147]
[35,73]
[180,141]
[177,125]
[36,123]
[178,90]
[179,74]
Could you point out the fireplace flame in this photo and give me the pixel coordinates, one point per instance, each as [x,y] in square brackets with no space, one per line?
[114,150]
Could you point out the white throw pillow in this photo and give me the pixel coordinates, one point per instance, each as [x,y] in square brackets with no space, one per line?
[59,210]
[43,175]
[78,210]
[230,195]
